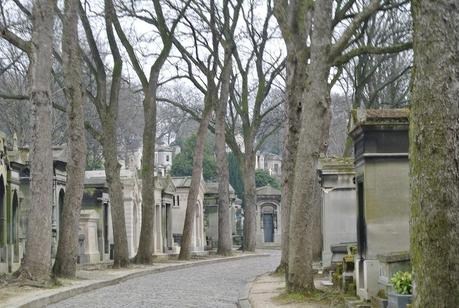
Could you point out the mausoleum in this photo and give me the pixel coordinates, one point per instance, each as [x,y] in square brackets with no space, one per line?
[211,214]
[268,217]
[338,212]
[381,165]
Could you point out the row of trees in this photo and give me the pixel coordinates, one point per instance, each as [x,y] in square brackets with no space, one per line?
[182,165]
[228,52]
[316,47]
[88,68]
[321,38]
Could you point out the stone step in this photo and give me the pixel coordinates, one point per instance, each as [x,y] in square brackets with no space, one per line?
[356,303]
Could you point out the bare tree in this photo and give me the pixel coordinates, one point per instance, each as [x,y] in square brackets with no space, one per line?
[14,101]
[37,259]
[210,71]
[206,41]
[258,70]
[170,121]
[434,154]
[294,15]
[66,256]
[225,241]
[381,79]
[247,108]
[319,53]
[107,110]
[149,88]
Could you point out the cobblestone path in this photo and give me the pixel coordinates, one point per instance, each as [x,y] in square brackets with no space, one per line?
[212,285]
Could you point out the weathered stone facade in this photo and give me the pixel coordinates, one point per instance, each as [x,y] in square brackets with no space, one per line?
[165,218]
[15,200]
[169,215]
[268,217]
[182,186]
[96,203]
[211,214]
[382,181]
[339,210]
[269,162]
[96,242]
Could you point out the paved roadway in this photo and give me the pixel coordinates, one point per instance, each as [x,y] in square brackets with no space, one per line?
[212,285]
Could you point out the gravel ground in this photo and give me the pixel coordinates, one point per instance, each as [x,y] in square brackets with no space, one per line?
[212,285]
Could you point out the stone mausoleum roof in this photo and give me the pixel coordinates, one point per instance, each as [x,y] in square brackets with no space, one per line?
[268,191]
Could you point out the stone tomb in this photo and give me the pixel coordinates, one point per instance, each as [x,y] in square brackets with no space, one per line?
[96,198]
[15,200]
[381,164]
[268,217]
[211,213]
[182,186]
[89,245]
[338,212]
[165,219]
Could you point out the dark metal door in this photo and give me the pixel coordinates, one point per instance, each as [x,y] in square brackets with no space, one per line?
[268,227]
[361,223]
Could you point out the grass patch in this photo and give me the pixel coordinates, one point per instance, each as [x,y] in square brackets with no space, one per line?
[280,270]
[278,274]
[329,297]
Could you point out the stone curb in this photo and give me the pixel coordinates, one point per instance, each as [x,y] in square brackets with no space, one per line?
[244,301]
[55,298]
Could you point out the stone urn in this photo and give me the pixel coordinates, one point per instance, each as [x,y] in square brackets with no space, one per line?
[396,300]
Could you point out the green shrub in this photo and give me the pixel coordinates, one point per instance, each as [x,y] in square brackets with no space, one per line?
[402,282]
[381,294]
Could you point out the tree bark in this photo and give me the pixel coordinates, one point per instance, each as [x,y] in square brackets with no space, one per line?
[109,121]
[146,248]
[66,257]
[225,242]
[315,117]
[250,200]
[185,249]
[295,21]
[296,76]
[115,190]
[37,260]
[434,154]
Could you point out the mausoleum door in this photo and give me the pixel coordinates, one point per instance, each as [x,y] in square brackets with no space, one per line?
[268,226]
[105,231]
[14,227]
[61,208]
[2,210]
[361,223]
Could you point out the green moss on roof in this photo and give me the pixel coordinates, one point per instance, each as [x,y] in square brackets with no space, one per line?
[342,164]
[367,117]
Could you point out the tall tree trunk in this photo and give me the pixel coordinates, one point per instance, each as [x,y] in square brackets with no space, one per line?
[65,263]
[225,242]
[250,200]
[112,173]
[315,119]
[109,141]
[296,76]
[146,248]
[434,154]
[295,22]
[37,259]
[185,249]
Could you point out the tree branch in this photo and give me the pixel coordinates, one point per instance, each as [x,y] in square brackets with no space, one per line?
[15,40]
[343,41]
[371,50]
